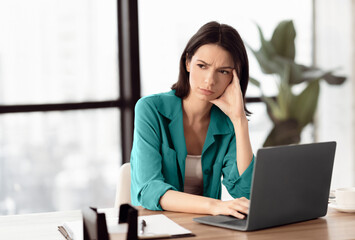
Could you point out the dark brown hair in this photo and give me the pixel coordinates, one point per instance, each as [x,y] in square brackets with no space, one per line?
[224,36]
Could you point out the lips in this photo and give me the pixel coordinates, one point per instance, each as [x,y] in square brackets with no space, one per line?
[206,92]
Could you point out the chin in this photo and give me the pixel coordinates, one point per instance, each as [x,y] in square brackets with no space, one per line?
[203,97]
[206,98]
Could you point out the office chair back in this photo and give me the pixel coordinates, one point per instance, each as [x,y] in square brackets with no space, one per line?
[123,190]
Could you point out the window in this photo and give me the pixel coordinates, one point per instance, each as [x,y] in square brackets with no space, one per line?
[58,160]
[58,55]
[58,51]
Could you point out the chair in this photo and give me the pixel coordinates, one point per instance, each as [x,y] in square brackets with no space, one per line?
[123,189]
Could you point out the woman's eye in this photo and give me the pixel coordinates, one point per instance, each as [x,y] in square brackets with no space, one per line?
[224,72]
[201,66]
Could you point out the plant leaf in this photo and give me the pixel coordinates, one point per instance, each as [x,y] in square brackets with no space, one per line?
[283,133]
[295,76]
[283,39]
[305,104]
[285,95]
[334,80]
[254,82]
[274,108]
[265,54]
[311,73]
[266,47]
[266,64]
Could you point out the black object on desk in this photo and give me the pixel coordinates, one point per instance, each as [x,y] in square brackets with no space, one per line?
[95,227]
[129,214]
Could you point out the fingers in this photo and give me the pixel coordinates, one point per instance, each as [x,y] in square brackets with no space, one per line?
[244,201]
[241,205]
[238,207]
[235,77]
[236,214]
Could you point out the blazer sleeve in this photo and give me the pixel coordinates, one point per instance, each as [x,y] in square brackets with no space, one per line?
[237,186]
[147,180]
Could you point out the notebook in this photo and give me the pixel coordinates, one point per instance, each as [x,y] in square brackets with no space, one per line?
[290,184]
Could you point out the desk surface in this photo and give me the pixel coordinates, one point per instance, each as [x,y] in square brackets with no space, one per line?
[40,226]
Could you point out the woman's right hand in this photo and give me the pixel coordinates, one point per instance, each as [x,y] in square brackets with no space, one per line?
[233,207]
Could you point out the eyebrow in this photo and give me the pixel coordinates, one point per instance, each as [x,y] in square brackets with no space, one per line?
[210,65]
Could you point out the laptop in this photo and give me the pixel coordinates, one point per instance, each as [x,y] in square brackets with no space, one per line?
[290,184]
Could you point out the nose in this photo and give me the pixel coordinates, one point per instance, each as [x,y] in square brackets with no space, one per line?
[210,78]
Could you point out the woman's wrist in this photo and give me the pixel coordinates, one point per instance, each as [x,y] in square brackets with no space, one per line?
[213,206]
[239,121]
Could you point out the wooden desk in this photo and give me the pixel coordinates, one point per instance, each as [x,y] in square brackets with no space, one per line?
[40,226]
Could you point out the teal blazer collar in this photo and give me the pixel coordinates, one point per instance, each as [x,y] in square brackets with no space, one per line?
[170,106]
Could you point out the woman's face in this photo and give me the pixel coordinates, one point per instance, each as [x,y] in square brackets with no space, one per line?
[210,71]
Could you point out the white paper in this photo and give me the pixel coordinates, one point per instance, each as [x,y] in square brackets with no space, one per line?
[160,225]
[74,229]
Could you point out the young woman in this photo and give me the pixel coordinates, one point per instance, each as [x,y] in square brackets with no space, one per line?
[185,140]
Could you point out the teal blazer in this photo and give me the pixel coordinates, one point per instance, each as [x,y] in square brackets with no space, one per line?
[159,152]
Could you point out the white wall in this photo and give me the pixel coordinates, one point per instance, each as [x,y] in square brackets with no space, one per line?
[335,117]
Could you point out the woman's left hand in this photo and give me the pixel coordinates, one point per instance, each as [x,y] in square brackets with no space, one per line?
[231,101]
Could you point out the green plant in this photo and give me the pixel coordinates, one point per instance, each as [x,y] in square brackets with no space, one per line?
[289,112]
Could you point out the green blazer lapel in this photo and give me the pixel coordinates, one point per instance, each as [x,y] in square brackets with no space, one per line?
[219,125]
[171,108]
[178,138]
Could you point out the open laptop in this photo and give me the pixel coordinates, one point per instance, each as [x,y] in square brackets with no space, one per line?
[290,184]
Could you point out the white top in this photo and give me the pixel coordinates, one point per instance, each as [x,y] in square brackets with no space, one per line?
[193,175]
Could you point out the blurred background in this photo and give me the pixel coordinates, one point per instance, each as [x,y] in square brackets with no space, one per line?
[61,53]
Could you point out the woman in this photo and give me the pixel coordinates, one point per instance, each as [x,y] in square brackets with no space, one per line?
[187,139]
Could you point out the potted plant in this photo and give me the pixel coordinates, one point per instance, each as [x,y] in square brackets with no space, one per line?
[288,111]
